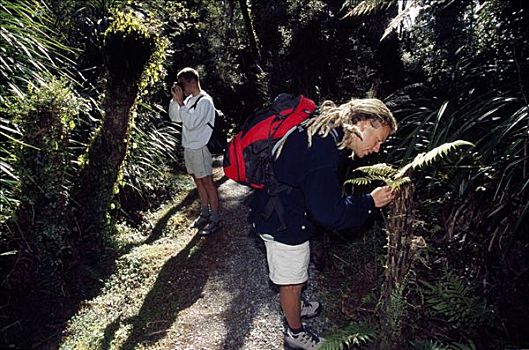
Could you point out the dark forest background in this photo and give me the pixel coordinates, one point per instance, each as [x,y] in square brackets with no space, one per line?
[85,140]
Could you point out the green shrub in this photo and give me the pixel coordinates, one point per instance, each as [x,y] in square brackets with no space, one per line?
[46,119]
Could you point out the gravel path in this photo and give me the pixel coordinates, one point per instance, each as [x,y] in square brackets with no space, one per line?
[237,308]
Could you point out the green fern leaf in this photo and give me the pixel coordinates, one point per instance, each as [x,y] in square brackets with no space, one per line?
[398,183]
[359,181]
[438,153]
[353,334]
[366,180]
[366,7]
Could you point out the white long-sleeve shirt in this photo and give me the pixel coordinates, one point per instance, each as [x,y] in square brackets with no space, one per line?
[195,131]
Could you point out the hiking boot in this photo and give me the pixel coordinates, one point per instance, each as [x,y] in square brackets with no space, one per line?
[200,222]
[310,309]
[306,339]
[211,227]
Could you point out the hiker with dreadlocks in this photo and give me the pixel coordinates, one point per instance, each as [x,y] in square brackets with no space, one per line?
[309,163]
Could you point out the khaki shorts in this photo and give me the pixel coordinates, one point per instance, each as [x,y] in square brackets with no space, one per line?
[287,264]
[198,162]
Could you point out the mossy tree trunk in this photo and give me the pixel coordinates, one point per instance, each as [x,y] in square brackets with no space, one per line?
[127,51]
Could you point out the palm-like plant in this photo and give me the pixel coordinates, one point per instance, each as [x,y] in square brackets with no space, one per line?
[403,245]
[30,53]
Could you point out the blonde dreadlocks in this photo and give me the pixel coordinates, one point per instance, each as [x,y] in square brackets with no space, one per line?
[347,115]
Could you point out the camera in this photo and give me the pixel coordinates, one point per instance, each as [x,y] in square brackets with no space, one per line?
[175,84]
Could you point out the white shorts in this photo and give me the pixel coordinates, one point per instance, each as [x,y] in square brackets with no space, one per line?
[287,264]
[198,162]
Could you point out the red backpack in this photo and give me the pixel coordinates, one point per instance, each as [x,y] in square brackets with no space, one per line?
[248,157]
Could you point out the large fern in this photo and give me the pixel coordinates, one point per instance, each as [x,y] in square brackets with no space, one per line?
[436,154]
[454,300]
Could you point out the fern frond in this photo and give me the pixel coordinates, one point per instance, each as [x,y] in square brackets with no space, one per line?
[368,6]
[398,183]
[352,335]
[410,6]
[380,169]
[366,180]
[425,159]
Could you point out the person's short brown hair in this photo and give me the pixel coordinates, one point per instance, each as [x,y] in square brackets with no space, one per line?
[187,74]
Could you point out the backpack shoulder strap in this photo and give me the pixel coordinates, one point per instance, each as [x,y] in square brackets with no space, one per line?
[278,147]
[196,102]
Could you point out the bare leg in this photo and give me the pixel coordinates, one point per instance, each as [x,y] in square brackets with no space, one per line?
[202,192]
[211,190]
[290,299]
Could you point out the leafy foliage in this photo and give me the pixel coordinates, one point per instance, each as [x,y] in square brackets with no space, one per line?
[352,335]
[424,159]
[399,177]
[30,54]
[455,301]
[46,118]
[362,8]
[30,50]
[435,345]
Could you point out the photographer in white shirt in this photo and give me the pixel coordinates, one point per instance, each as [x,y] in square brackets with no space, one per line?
[194,108]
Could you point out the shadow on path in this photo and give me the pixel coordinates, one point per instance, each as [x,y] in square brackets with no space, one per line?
[179,284]
[237,271]
[187,201]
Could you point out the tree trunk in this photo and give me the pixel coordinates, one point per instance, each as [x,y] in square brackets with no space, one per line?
[250,31]
[127,52]
[402,247]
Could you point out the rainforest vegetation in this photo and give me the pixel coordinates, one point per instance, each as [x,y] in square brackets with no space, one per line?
[86,147]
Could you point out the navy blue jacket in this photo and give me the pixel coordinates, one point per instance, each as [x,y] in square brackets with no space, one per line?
[316,193]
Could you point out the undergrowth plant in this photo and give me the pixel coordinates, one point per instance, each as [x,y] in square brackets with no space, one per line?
[454,301]
[403,245]
[352,335]
[39,232]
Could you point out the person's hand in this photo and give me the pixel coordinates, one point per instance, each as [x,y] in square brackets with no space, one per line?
[177,93]
[382,196]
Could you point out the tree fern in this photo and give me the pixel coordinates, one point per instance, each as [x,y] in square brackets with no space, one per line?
[402,247]
[399,177]
[436,154]
[381,169]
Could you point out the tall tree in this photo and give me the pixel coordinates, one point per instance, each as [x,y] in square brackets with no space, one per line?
[129,46]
